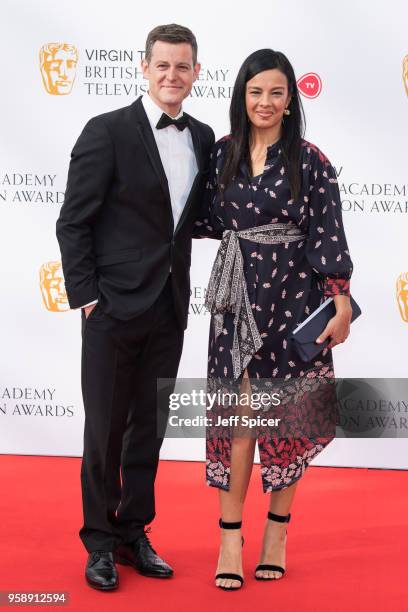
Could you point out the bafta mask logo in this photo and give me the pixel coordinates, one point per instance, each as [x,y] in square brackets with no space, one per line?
[310,85]
[405,73]
[402,295]
[53,287]
[58,63]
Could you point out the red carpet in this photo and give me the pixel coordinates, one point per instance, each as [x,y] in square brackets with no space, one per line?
[347,541]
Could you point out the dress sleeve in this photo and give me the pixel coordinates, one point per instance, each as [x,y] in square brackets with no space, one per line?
[327,249]
[208,224]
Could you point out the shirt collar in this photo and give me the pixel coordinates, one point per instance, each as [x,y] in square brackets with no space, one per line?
[153,111]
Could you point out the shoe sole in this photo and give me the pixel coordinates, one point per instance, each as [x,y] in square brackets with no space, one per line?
[230,588]
[122,561]
[101,588]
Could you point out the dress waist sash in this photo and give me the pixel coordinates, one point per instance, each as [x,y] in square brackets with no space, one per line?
[227,290]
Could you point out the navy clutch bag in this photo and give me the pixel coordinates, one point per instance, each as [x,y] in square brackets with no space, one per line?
[304,336]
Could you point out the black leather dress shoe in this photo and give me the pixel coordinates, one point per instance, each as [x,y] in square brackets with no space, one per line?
[143,558]
[100,572]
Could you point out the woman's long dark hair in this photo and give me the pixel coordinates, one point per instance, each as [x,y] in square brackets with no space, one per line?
[292,128]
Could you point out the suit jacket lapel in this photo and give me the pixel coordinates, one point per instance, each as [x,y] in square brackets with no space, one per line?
[195,136]
[147,137]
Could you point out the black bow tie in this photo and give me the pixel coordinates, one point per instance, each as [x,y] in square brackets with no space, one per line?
[165,121]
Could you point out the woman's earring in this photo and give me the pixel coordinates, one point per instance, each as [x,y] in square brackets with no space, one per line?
[286,111]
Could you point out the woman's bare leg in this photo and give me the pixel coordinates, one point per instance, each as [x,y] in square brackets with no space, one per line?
[232,501]
[274,540]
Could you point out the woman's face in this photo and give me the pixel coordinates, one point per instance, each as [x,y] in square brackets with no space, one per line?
[266,98]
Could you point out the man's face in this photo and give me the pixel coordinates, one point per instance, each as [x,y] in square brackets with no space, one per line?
[171,74]
[58,70]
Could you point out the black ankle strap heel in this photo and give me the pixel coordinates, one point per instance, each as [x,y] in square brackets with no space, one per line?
[225,525]
[229,575]
[279,518]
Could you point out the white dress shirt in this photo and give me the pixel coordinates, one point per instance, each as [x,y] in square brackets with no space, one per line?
[177,156]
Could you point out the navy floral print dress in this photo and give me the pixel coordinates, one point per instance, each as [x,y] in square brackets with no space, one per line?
[285,282]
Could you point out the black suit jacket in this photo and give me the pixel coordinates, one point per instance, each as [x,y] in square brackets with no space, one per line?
[115,229]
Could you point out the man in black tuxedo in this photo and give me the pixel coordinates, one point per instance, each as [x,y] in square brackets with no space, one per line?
[134,187]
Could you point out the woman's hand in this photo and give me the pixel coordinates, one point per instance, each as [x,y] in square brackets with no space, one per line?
[338,328]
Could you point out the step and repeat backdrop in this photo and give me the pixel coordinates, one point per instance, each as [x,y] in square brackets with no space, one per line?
[65,62]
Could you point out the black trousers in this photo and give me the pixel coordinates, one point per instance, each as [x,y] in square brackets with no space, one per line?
[121,362]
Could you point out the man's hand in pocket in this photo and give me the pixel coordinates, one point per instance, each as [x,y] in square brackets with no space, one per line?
[88,310]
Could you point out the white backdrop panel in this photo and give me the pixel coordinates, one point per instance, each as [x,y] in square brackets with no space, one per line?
[359,120]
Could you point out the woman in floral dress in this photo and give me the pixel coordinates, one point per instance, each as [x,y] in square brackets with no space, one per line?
[273,201]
